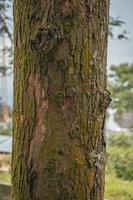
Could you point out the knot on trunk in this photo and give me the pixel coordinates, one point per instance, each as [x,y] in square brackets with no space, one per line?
[44,39]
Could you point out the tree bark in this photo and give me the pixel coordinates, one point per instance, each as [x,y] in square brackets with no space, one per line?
[60,99]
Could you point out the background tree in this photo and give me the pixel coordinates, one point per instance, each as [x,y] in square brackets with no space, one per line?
[119,171]
[116,22]
[121,85]
[6,32]
[5,19]
[60,99]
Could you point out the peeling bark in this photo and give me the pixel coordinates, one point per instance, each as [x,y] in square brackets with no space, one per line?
[60,99]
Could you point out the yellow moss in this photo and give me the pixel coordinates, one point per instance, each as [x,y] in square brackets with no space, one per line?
[85,61]
[90,177]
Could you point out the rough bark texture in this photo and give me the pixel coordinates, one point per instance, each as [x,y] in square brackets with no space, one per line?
[60,99]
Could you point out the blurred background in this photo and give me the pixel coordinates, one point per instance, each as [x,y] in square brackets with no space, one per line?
[119,120]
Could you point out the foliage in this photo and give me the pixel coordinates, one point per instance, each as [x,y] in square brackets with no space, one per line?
[117,189]
[120,154]
[122,161]
[120,139]
[4,18]
[116,22]
[124,165]
[121,87]
[119,172]
[6,35]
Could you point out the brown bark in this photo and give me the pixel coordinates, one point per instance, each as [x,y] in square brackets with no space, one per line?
[60,99]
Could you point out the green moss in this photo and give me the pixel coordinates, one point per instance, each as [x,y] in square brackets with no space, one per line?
[78,178]
[75,133]
[50,169]
[66,193]
[61,165]
[85,62]
[31,109]
[62,65]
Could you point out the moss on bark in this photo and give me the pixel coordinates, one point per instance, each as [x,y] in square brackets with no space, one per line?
[60,99]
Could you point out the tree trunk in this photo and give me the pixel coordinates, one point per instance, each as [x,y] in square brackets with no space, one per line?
[60,99]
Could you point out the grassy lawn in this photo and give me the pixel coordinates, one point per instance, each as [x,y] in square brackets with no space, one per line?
[119,168]
[5,160]
[5,177]
[118,189]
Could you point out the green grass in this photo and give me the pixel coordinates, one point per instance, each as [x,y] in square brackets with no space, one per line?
[117,189]
[5,132]
[5,177]
[119,149]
